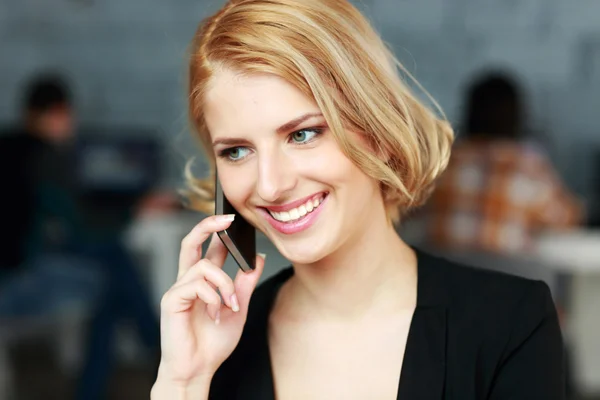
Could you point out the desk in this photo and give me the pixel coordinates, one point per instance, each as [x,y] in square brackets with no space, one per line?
[157,239]
[577,254]
[575,251]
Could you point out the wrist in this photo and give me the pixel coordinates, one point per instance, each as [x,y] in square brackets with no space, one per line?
[167,387]
[196,389]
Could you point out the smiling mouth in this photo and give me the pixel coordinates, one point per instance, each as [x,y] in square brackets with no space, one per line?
[299,212]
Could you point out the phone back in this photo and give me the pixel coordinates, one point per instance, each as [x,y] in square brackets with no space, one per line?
[240,237]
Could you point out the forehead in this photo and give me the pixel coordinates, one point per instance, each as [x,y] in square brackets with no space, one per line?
[236,103]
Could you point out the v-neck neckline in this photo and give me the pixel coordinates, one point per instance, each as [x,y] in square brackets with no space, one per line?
[422,373]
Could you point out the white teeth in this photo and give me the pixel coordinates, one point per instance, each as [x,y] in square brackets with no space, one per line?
[302,210]
[297,212]
[294,213]
[285,216]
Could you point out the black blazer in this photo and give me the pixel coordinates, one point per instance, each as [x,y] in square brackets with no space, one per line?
[475,335]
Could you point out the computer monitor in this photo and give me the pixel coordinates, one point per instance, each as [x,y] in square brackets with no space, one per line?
[116,167]
[126,162]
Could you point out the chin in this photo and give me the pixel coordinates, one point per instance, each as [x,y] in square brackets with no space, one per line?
[302,256]
[307,250]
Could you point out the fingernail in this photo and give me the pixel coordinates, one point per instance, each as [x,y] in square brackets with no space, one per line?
[235,305]
[218,317]
[262,255]
[226,217]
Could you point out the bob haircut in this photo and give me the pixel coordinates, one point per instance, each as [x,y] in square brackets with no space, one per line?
[330,52]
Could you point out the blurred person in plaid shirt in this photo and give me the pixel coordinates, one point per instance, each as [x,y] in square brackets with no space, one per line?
[499,190]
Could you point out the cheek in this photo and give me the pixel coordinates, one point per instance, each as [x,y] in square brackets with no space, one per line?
[331,166]
[237,184]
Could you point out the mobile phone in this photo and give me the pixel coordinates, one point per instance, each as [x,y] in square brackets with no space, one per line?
[240,237]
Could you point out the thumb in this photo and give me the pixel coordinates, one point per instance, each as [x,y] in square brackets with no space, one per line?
[245,282]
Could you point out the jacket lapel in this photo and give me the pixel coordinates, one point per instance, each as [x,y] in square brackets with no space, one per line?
[257,382]
[424,367]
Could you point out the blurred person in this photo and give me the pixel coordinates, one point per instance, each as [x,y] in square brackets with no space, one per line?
[61,251]
[33,166]
[500,189]
[47,117]
[322,147]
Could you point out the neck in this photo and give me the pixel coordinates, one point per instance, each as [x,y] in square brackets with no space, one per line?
[374,273]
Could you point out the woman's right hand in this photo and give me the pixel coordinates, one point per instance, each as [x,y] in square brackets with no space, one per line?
[198,332]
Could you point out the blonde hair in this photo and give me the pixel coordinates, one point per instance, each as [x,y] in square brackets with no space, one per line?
[330,52]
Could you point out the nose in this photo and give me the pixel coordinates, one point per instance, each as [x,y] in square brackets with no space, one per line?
[276,176]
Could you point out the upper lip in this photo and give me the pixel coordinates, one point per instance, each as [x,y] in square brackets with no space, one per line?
[293,204]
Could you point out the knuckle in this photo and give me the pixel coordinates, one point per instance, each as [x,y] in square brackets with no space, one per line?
[226,289]
[211,297]
[186,240]
[228,284]
[166,299]
[215,300]
[219,276]
[204,264]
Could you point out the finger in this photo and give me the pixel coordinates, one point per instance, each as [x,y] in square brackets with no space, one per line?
[215,277]
[182,298]
[214,312]
[245,282]
[191,245]
[216,252]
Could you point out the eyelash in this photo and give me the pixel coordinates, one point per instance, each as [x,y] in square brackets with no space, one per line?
[225,153]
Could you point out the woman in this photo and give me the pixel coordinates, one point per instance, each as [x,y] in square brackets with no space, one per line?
[476,204]
[320,145]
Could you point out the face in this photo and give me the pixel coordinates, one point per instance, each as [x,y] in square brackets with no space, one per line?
[281,168]
[55,124]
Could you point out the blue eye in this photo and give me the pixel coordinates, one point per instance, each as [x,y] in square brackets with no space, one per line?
[304,135]
[235,153]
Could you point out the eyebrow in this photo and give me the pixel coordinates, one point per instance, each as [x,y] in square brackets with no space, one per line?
[288,126]
[230,142]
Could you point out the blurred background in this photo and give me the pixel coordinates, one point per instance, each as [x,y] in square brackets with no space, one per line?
[94,139]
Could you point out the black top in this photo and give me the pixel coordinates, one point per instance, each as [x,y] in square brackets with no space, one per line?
[41,189]
[475,334]
[37,176]
[18,154]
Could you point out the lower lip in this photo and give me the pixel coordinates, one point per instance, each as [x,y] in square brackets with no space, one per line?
[298,225]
